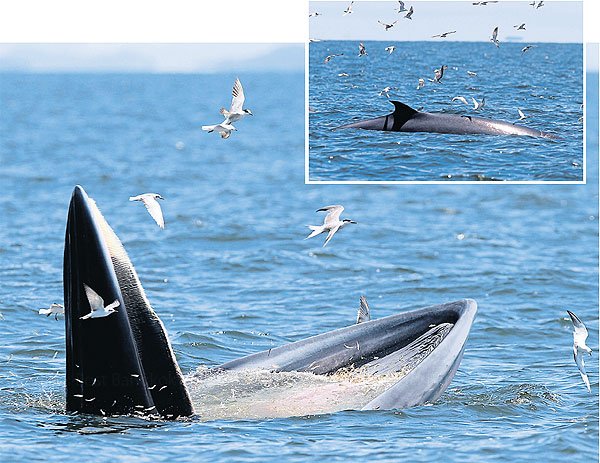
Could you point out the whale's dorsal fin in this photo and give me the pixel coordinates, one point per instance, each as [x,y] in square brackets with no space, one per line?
[402,113]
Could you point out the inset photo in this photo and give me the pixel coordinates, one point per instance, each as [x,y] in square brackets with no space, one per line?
[445,91]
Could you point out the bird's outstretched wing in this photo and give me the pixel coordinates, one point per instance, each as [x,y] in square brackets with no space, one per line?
[578,356]
[237,102]
[495,34]
[113,305]
[581,333]
[333,213]
[96,302]
[155,211]
[521,115]
[330,235]
[364,313]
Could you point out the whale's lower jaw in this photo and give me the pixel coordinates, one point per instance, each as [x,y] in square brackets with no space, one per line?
[124,363]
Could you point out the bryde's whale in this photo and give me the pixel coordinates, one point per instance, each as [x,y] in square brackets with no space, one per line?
[123,363]
[406,119]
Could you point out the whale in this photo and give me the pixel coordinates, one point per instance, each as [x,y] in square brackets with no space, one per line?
[406,119]
[124,363]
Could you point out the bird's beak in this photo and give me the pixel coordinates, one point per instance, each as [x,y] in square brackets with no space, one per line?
[160,197]
[352,221]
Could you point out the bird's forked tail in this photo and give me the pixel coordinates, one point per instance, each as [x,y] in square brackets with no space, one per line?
[316,230]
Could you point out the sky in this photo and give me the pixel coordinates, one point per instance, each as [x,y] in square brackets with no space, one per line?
[553,22]
[154,58]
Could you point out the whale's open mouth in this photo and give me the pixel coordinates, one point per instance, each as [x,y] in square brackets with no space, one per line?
[123,363]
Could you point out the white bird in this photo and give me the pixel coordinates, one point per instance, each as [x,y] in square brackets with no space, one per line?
[438,74]
[390,49]
[494,37]
[520,27]
[223,129]
[387,26]
[328,58]
[421,84]
[410,13]
[236,111]
[362,51]
[526,49]
[331,223]
[364,313]
[348,10]
[461,98]
[477,105]
[54,309]
[152,205]
[343,74]
[579,336]
[443,35]
[315,14]
[97,309]
[522,116]
[386,91]
[401,7]
[472,74]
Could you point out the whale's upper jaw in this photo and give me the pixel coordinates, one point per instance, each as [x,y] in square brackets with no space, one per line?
[122,363]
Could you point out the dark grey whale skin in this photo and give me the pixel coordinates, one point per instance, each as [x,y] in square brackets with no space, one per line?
[406,119]
[124,363]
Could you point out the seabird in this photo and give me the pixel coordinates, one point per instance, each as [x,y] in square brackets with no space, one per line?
[527,48]
[332,222]
[461,98]
[223,129]
[152,205]
[328,58]
[236,111]
[386,91]
[314,15]
[539,5]
[438,74]
[387,26]
[522,116]
[410,13]
[54,309]
[443,35]
[97,305]
[343,74]
[494,37]
[362,51]
[579,336]
[348,10]
[477,105]
[471,74]
[421,84]
[401,7]
[520,27]
[390,49]
[364,313]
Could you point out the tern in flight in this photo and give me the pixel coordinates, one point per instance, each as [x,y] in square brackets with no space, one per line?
[236,111]
[438,74]
[328,58]
[494,37]
[362,51]
[152,205]
[401,7]
[54,309]
[390,49]
[97,305]
[387,26]
[443,35]
[477,105]
[332,223]
[526,49]
[461,98]
[522,116]
[579,336]
[410,13]
[348,10]
[520,27]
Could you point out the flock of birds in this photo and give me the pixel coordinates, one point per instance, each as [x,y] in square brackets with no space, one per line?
[438,74]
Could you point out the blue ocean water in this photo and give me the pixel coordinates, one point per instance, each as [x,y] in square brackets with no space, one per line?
[546,83]
[232,275]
